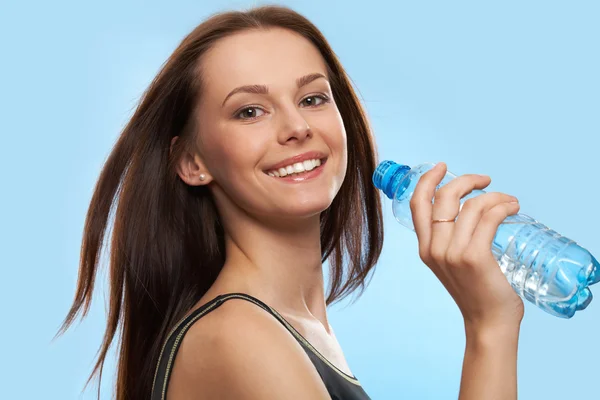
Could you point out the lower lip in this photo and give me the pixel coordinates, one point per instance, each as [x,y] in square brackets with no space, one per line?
[313,173]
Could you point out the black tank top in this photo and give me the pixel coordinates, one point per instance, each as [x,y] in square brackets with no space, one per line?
[340,385]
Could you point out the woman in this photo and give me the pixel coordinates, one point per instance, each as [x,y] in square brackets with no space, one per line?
[248,164]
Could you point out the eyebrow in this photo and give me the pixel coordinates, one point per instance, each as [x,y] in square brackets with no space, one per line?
[263,89]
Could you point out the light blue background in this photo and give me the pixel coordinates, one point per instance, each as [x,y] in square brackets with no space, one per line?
[510,89]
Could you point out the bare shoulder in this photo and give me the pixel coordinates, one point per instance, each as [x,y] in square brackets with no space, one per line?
[240,351]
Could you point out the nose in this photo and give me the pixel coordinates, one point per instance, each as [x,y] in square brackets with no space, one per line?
[294,127]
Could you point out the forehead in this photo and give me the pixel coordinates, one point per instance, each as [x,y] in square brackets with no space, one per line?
[271,57]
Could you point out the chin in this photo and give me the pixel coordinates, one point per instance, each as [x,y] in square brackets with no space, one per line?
[306,209]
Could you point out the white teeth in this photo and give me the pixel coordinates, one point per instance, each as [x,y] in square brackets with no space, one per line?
[308,165]
[296,168]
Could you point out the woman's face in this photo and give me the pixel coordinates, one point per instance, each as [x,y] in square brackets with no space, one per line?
[266,99]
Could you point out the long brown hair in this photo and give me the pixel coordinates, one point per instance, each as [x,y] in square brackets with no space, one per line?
[167,244]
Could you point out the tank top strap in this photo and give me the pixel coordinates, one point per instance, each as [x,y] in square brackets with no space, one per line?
[174,338]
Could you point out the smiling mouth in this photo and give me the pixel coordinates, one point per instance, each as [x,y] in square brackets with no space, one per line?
[297,169]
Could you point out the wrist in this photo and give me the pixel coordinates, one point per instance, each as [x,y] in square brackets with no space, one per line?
[492,335]
[490,363]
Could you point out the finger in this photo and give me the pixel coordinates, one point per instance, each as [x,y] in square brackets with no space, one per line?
[486,229]
[470,215]
[421,208]
[447,206]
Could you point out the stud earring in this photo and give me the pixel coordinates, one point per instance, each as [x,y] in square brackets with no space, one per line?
[202,177]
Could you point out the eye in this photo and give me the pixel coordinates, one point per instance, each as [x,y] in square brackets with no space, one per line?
[314,100]
[250,113]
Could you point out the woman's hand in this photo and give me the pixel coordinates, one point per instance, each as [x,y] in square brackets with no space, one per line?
[459,253]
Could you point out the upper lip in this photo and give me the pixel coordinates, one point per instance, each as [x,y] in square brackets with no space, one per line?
[310,155]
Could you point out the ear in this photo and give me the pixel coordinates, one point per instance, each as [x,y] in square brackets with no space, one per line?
[190,168]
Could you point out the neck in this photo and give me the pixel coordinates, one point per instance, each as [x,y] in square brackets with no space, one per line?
[279,264]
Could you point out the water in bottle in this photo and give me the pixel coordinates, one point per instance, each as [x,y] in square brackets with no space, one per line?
[545,268]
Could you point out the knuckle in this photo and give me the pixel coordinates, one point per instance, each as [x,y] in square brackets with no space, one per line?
[461,184]
[413,202]
[414,206]
[493,216]
[470,180]
[444,193]
[470,257]
[490,205]
[480,201]
[470,203]
[453,258]
[438,255]
[424,255]
[498,211]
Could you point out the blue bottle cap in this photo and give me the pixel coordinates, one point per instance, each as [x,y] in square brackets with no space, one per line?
[387,177]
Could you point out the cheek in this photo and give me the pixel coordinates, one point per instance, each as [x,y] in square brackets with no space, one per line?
[232,170]
[335,136]
[233,157]
[339,147]
[232,148]
[230,163]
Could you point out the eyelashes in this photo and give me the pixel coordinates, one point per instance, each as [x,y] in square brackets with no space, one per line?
[251,112]
[324,99]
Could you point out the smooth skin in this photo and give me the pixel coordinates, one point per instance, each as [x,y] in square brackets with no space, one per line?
[239,351]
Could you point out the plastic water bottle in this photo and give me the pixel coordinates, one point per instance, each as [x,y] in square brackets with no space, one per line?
[545,268]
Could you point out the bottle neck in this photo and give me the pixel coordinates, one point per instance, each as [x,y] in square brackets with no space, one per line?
[388,175]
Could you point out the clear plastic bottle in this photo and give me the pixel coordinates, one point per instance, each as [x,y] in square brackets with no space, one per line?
[545,268]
